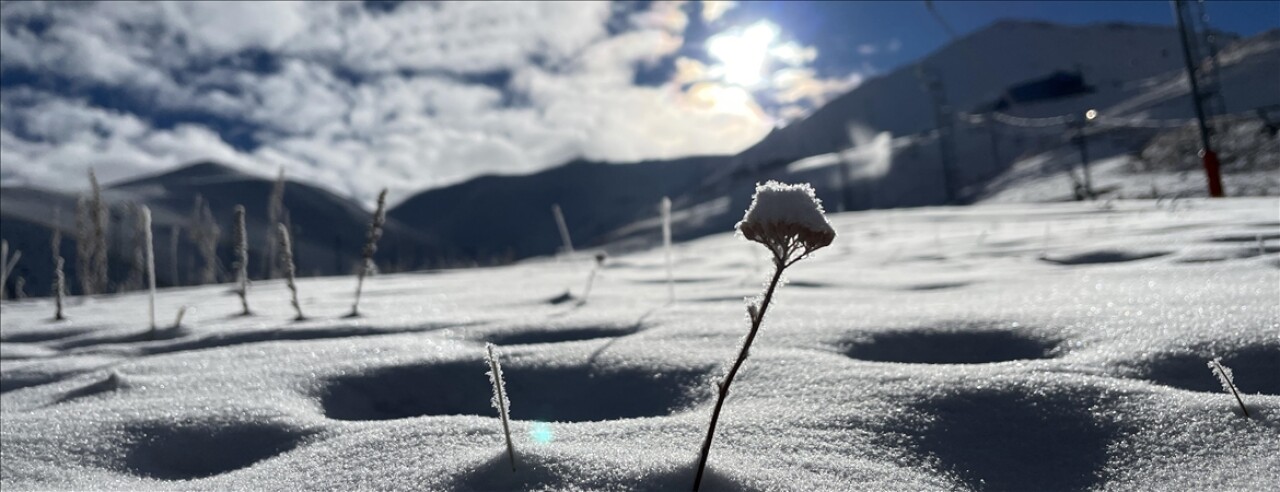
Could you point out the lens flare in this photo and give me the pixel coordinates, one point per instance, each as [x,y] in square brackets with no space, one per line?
[541,433]
[743,54]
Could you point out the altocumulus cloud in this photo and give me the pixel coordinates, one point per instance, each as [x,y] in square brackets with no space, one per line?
[351,96]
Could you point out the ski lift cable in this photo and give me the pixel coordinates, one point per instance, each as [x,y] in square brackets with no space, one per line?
[1064,120]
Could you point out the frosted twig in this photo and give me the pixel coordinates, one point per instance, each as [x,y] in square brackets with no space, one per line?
[500,401]
[241,238]
[564,229]
[600,257]
[666,246]
[177,320]
[6,265]
[1228,381]
[59,278]
[787,219]
[145,218]
[98,214]
[367,265]
[275,214]
[286,262]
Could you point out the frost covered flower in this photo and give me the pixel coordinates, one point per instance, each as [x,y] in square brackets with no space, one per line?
[787,219]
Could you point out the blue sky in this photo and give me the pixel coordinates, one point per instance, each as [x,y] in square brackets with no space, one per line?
[356,96]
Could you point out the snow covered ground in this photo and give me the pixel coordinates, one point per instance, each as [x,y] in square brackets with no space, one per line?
[995,347]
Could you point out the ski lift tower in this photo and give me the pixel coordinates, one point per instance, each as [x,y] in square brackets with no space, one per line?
[1199,51]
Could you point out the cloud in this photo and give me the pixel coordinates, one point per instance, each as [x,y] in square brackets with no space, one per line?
[794,54]
[65,136]
[355,99]
[803,85]
[713,10]
[868,49]
[666,15]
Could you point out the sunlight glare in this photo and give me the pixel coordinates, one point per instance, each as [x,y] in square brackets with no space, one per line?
[743,54]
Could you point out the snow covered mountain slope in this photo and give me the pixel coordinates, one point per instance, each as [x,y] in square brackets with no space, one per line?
[976,70]
[991,347]
[1137,85]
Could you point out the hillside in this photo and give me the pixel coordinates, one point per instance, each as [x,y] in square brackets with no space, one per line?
[871,148]
[510,216]
[328,229]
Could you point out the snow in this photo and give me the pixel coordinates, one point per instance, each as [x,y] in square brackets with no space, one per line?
[781,213]
[998,346]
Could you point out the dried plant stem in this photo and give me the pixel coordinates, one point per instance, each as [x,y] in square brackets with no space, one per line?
[591,277]
[1230,385]
[370,247]
[84,246]
[98,214]
[286,262]
[59,288]
[242,259]
[145,218]
[500,401]
[59,278]
[757,316]
[6,265]
[666,246]
[275,214]
[177,320]
[564,229]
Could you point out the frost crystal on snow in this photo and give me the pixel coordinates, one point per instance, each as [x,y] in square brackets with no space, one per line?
[786,218]
[1225,378]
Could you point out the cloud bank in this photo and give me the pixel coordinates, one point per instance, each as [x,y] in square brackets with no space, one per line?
[356,96]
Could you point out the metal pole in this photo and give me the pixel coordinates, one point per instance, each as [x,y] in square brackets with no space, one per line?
[1083,145]
[941,118]
[995,144]
[842,168]
[1210,159]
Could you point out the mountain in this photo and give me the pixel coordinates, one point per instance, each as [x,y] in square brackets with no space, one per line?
[977,69]
[328,230]
[873,147]
[511,217]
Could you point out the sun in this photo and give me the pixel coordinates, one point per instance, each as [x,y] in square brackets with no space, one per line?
[743,53]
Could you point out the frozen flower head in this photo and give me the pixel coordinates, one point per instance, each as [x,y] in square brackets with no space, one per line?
[787,219]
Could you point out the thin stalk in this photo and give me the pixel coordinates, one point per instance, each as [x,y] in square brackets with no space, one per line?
[370,247]
[564,229]
[587,290]
[1230,385]
[500,401]
[151,265]
[6,264]
[666,246]
[59,288]
[59,278]
[756,319]
[177,320]
[286,263]
[241,238]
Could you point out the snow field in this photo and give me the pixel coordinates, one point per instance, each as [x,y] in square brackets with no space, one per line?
[996,347]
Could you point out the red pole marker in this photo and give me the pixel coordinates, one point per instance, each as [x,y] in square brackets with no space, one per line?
[1212,173]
